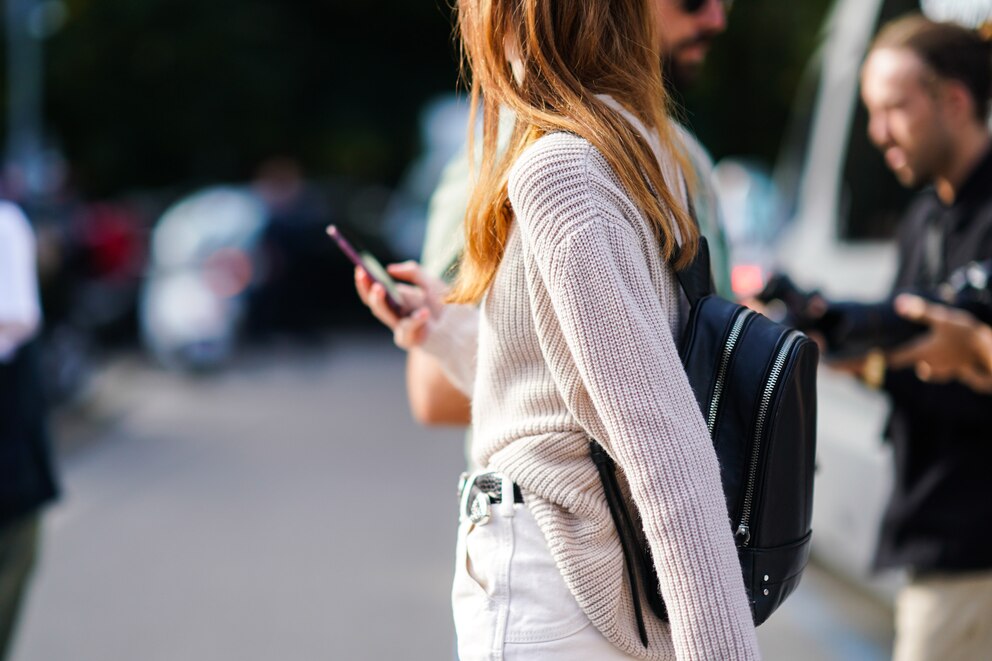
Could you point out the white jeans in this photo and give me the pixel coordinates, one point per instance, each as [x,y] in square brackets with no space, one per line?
[509,599]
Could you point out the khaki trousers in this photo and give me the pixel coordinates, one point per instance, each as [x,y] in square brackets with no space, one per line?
[945,617]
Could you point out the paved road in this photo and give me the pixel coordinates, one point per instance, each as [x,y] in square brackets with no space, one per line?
[288,509]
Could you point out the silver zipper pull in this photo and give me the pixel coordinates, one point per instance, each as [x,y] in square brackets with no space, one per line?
[743,533]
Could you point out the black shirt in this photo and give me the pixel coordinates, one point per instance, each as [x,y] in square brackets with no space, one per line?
[939,517]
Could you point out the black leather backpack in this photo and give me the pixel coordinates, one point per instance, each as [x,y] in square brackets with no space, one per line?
[755,382]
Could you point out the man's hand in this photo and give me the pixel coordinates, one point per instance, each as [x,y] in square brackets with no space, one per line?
[957,346]
[424,297]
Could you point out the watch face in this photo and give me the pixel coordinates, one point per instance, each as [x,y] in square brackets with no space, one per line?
[969,13]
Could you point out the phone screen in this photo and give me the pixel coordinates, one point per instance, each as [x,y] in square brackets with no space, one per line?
[379,273]
[362,257]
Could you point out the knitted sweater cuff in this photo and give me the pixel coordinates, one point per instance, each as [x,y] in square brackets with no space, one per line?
[453,340]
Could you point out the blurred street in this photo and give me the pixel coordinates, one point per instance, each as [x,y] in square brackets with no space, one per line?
[288,508]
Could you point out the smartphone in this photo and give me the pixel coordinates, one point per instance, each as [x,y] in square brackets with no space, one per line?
[363,258]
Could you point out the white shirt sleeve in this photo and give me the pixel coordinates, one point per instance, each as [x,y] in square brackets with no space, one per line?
[20,306]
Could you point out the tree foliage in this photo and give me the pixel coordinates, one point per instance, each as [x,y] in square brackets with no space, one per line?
[153,92]
[147,93]
[742,103]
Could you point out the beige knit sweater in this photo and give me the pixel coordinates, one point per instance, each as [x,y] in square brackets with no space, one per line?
[576,338]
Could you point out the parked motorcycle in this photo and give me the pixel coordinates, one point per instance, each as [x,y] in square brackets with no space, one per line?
[203,261]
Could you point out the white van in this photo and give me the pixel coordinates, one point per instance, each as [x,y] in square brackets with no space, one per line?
[840,206]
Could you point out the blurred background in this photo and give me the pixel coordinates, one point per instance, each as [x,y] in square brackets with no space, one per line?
[241,476]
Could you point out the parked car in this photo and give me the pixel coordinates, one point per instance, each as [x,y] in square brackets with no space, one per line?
[230,263]
[91,257]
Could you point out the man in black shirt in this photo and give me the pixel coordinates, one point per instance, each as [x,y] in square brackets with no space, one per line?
[926,86]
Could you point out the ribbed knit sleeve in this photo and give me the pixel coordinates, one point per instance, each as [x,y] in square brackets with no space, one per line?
[609,344]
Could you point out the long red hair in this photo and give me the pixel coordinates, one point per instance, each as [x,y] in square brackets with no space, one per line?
[570,51]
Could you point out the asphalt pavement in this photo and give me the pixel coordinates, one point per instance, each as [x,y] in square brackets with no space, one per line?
[289,508]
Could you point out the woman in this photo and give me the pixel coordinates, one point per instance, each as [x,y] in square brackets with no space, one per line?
[562,328]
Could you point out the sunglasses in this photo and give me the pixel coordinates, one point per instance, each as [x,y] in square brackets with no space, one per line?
[693,6]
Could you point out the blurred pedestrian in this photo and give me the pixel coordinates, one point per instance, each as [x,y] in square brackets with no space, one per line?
[570,231]
[26,475]
[927,87]
[294,254]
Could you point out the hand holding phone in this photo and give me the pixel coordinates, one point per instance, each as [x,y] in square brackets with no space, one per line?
[361,257]
[413,307]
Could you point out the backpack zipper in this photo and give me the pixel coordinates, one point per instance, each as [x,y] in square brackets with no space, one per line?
[744,528]
[721,375]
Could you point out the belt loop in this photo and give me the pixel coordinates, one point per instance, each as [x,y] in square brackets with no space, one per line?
[465,495]
[506,501]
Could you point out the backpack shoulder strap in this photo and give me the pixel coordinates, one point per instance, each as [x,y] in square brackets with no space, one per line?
[697,278]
